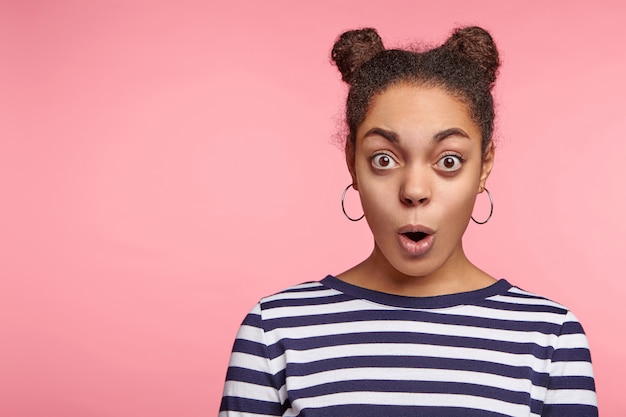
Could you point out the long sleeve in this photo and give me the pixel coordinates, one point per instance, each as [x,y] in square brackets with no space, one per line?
[571,389]
[251,386]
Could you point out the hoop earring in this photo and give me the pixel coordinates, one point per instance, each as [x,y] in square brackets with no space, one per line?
[343,196]
[490,210]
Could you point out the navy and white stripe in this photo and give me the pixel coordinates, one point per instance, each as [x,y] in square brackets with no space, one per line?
[329,348]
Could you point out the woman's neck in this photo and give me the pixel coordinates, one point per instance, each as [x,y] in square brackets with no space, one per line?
[456,275]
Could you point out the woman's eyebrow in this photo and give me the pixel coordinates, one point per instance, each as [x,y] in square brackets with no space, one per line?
[453,131]
[387,134]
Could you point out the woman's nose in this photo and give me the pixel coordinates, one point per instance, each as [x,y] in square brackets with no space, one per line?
[416,187]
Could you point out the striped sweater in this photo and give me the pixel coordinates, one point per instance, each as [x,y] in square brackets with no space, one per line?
[329,348]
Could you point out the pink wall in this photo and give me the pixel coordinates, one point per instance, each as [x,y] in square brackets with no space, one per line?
[165,164]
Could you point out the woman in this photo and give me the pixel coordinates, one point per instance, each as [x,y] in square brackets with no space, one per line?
[416,328]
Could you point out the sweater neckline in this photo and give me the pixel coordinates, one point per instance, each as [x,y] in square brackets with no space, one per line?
[500,287]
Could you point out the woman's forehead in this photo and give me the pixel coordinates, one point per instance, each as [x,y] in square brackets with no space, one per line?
[408,109]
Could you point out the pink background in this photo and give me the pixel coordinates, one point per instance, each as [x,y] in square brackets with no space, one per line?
[165,164]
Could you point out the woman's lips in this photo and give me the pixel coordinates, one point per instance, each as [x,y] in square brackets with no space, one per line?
[415,247]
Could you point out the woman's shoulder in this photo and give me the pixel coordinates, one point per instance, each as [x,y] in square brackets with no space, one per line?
[305,293]
[533,307]
[517,295]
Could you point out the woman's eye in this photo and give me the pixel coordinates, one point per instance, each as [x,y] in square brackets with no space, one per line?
[450,163]
[383,161]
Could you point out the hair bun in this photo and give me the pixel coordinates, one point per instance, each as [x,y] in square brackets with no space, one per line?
[353,49]
[476,44]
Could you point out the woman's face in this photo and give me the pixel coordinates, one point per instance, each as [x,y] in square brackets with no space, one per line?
[418,167]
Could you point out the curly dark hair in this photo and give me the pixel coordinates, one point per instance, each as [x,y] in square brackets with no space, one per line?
[465,66]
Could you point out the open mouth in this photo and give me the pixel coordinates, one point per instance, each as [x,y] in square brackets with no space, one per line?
[416,240]
[415,236]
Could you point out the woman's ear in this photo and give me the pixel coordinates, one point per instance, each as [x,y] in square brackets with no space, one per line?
[350,162]
[487,166]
